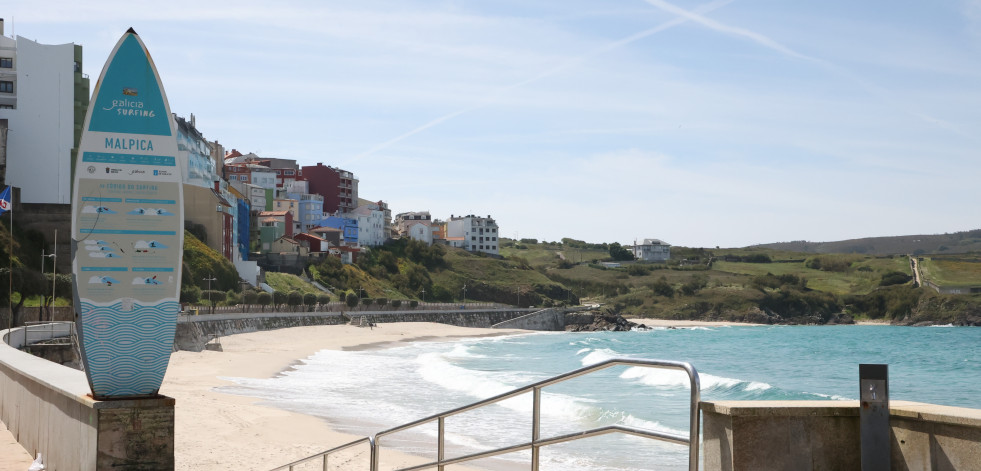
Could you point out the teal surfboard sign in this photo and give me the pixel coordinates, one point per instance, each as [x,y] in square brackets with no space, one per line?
[127,228]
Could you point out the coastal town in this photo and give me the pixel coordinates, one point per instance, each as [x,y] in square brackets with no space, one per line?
[236,307]
[259,212]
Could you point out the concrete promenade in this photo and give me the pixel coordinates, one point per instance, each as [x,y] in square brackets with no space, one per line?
[12,455]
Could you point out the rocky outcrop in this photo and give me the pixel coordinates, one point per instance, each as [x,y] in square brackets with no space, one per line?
[596,322]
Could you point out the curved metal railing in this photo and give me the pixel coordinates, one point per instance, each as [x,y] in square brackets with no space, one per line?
[537,442]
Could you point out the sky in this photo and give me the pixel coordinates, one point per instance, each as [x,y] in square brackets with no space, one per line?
[701,123]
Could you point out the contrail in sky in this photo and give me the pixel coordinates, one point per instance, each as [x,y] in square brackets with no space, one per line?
[680,19]
[880,93]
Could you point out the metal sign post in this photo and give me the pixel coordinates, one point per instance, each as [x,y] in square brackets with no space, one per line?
[874,417]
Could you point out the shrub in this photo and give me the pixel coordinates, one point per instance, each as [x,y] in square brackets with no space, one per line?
[250,296]
[661,287]
[310,300]
[396,303]
[190,294]
[351,300]
[638,270]
[323,299]
[413,303]
[894,278]
[381,302]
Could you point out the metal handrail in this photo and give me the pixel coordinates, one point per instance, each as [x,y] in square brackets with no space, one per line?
[325,454]
[537,441]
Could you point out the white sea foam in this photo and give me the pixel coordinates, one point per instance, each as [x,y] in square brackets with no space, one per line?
[945,325]
[678,379]
[599,355]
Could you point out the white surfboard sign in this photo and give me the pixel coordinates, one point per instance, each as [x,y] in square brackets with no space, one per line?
[127,228]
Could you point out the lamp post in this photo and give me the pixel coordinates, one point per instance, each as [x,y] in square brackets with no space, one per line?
[424,295]
[464,294]
[53,269]
[209,280]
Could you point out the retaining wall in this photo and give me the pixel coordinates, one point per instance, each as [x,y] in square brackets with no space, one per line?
[812,435]
[47,409]
[546,319]
[193,332]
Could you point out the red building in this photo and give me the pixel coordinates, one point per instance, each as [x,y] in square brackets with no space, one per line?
[338,187]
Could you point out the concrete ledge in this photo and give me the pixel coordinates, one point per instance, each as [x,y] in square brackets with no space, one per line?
[47,409]
[808,435]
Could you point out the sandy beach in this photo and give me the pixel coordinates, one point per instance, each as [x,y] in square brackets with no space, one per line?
[221,431]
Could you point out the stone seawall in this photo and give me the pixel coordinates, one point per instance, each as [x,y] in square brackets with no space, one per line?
[551,320]
[194,332]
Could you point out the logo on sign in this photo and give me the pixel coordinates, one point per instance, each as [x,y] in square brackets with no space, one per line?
[4,205]
[91,169]
[130,91]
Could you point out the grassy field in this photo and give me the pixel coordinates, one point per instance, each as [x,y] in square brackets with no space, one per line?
[288,283]
[952,271]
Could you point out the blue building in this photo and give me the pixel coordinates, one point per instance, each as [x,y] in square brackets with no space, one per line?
[310,210]
[348,226]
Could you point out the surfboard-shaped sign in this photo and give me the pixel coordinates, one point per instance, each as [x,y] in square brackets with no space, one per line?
[127,228]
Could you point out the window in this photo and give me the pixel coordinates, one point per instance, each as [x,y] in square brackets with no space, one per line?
[6,86]
[7,63]
[473,237]
[290,172]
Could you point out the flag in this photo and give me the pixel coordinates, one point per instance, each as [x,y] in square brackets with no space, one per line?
[5,201]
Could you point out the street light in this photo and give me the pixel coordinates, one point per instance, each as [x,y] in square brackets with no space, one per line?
[209,280]
[464,294]
[53,270]
[424,295]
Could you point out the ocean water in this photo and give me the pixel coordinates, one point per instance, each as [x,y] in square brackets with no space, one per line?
[364,392]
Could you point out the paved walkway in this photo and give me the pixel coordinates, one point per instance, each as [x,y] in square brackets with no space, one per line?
[13,457]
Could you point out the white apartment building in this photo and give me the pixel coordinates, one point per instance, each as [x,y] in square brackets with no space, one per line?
[472,233]
[652,250]
[43,100]
[371,225]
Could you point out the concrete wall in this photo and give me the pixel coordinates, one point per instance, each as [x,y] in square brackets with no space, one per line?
[193,332]
[811,435]
[47,408]
[546,319]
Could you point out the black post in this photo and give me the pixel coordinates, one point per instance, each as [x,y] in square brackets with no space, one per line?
[876,434]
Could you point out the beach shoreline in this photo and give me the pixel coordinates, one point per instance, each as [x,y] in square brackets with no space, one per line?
[215,430]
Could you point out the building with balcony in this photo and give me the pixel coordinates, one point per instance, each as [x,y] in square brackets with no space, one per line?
[473,233]
[43,100]
[371,225]
[338,187]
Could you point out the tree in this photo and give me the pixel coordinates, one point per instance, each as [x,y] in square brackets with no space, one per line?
[279,299]
[381,302]
[213,297]
[310,300]
[249,297]
[294,299]
[366,302]
[396,303]
[264,299]
[619,253]
[351,300]
[413,303]
[324,300]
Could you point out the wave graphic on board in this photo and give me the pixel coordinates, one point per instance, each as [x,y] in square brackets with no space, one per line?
[127,353]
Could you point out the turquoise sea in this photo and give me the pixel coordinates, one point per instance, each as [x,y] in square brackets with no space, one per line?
[363,392]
